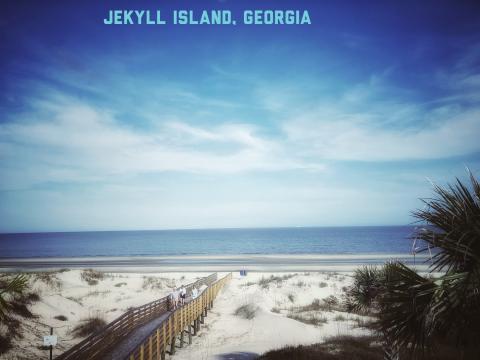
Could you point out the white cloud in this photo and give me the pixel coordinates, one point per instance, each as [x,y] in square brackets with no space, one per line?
[354,138]
[81,143]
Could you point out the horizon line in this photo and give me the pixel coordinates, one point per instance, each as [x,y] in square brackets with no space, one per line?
[207,229]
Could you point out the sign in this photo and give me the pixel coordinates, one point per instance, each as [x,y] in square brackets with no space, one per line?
[50,340]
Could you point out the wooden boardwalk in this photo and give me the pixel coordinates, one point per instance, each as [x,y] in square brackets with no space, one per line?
[183,321]
[128,345]
[146,332]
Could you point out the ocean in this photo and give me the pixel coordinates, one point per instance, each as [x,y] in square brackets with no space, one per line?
[311,240]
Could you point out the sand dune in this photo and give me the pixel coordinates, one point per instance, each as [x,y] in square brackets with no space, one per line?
[279,305]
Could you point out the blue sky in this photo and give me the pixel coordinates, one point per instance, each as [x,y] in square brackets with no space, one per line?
[343,122]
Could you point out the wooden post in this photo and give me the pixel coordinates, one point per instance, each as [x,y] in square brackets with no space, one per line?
[51,347]
[142,350]
[164,347]
[194,327]
[158,343]
[189,335]
[172,347]
[172,335]
[198,324]
[150,348]
[202,319]
[181,338]
[162,355]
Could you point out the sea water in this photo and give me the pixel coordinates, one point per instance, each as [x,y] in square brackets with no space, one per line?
[311,240]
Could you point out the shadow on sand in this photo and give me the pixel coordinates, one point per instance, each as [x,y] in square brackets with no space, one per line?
[237,356]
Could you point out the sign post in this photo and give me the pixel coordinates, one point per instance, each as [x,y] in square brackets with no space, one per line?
[50,340]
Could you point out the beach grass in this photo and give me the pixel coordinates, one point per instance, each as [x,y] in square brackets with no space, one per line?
[88,326]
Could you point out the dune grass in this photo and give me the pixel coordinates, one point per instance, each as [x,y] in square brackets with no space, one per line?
[92,277]
[265,282]
[88,326]
[316,319]
[247,311]
[335,348]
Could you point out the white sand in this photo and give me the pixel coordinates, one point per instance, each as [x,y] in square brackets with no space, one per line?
[226,333]
[77,300]
[223,333]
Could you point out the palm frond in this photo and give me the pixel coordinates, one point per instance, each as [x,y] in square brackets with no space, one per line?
[8,289]
[405,317]
[453,220]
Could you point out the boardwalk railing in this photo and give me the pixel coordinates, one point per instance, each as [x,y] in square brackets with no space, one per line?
[185,320]
[99,343]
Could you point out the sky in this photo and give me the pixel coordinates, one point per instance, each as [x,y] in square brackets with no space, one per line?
[343,122]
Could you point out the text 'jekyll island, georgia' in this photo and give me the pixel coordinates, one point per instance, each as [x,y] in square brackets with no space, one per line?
[207,17]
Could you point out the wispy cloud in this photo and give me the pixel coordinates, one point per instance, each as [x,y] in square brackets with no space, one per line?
[352,137]
[74,141]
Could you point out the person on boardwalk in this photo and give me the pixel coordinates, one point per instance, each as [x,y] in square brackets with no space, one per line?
[183,295]
[194,293]
[173,299]
[176,294]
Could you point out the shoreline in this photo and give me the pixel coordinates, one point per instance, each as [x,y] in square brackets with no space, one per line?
[219,263]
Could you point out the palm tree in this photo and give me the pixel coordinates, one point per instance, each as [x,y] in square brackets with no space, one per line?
[418,313]
[363,294]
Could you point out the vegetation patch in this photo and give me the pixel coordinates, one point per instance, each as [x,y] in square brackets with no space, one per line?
[336,348]
[152,282]
[310,318]
[74,299]
[265,282]
[5,343]
[48,278]
[247,311]
[327,304]
[120,284]
[98,293]
[14,307]
[88,326]
[92,277]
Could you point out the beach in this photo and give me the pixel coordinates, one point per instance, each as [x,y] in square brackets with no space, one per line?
[293,291]
[279,304]
[211,263]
